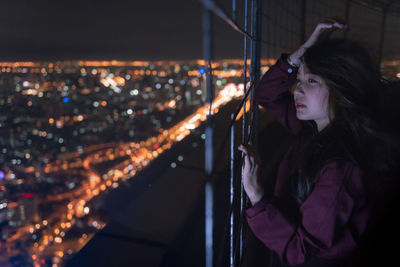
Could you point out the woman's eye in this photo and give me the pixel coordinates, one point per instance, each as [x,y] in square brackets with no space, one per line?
[312,81]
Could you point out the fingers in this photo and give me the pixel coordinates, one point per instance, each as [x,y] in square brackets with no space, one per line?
[247,148]
[243,148]
[332,23]
[339,25]
[336,19]
[247,161]
[323,30]
[250,155]
[330,26]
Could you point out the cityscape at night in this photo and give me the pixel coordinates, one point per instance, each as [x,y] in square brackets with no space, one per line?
[78,129]
[105,104]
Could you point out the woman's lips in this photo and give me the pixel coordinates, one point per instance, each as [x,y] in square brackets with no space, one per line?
[299,105]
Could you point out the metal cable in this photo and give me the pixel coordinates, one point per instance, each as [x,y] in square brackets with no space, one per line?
[219,11]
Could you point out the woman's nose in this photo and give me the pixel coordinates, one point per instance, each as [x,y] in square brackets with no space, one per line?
[298,90]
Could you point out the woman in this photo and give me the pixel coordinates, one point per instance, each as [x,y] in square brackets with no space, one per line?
[328,179]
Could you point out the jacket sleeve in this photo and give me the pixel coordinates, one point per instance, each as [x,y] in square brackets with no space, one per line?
[323,229]
[274,94]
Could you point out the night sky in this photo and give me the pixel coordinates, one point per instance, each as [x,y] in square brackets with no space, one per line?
[99,29]
[167,29]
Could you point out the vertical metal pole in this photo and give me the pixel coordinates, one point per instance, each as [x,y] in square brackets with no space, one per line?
[234,12]
[244,73]
[268,31]
[232,192]
[209,191]
[251,76]
[240,186]
[255,61]
[382,37]
[303,21]
[346,18]
[274,21]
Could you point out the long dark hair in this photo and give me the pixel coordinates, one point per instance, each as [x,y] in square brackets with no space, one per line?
[354,83]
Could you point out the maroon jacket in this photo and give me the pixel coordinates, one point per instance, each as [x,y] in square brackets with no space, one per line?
[330,222]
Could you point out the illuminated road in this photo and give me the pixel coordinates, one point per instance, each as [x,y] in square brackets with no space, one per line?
[131,157]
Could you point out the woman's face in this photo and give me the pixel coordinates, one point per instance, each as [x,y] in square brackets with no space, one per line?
[311,98]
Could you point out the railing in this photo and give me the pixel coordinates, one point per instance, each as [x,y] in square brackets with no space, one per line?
[236,226]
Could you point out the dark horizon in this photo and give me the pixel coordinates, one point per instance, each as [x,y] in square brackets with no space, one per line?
[46,30]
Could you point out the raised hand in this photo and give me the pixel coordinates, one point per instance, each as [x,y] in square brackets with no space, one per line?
[321,31]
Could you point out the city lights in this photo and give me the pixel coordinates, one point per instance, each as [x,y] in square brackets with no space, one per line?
[72,138]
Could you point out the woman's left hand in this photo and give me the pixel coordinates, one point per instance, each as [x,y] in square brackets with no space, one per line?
[321,31]
[251,166]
